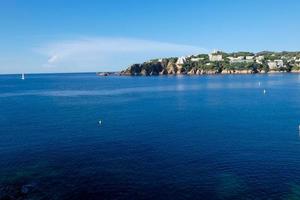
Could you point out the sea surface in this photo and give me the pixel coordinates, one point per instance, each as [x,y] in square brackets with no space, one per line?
[166,137]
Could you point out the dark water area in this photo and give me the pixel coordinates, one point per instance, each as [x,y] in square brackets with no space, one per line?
[202,137]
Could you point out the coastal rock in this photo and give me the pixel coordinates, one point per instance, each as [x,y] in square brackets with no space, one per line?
[199,71]
[180,70]
[226,71]
[262,71]
[245,71]
[146,69]
[193,71]
[295,71]
[171,68]
[163,72]
[108,73]
[134,69]
[275,72]
[144,72]
[209,72]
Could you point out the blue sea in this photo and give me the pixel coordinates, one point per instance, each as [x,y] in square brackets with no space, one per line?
[165,137]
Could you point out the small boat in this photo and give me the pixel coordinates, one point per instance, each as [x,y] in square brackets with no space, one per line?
[23,76]
[265,91]
[100,122]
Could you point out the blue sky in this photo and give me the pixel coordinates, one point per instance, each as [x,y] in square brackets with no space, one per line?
[107,35]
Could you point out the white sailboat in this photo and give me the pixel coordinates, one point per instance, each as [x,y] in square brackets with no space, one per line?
[23,76]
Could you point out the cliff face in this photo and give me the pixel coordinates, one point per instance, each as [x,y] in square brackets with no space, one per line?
[163,67]
[171,68]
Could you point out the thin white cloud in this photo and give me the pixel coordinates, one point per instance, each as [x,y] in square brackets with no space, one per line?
[102,53]
[53,59]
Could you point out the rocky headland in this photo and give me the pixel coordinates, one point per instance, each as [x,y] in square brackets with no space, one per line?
[219,63]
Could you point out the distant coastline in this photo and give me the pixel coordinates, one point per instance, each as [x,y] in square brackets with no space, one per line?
[219,63]
[108,73]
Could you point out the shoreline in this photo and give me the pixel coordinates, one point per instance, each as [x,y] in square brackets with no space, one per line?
[212,74]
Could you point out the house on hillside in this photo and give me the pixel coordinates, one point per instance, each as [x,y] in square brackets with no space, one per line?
[297,61]
[215,57]
[276,64]
[239,59]
[249,59]
[259,59]
[196,59]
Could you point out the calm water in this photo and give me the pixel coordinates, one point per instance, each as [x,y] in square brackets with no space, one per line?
[209,137]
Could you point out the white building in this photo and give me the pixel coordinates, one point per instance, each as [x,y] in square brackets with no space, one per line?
[215,57]
[249,58]
[259,59]
[275,64]
[238,59]
[196,59]
[297,61]
[241,59]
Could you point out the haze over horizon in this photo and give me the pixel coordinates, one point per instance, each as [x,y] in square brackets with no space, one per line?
[55,36]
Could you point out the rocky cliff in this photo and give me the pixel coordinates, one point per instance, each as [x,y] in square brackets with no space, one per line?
[171,67]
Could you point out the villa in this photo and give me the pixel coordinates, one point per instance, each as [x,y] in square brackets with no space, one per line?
[238,59]
[259,59]
[275,64]
[249,59]
[215,57]
[196,59]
